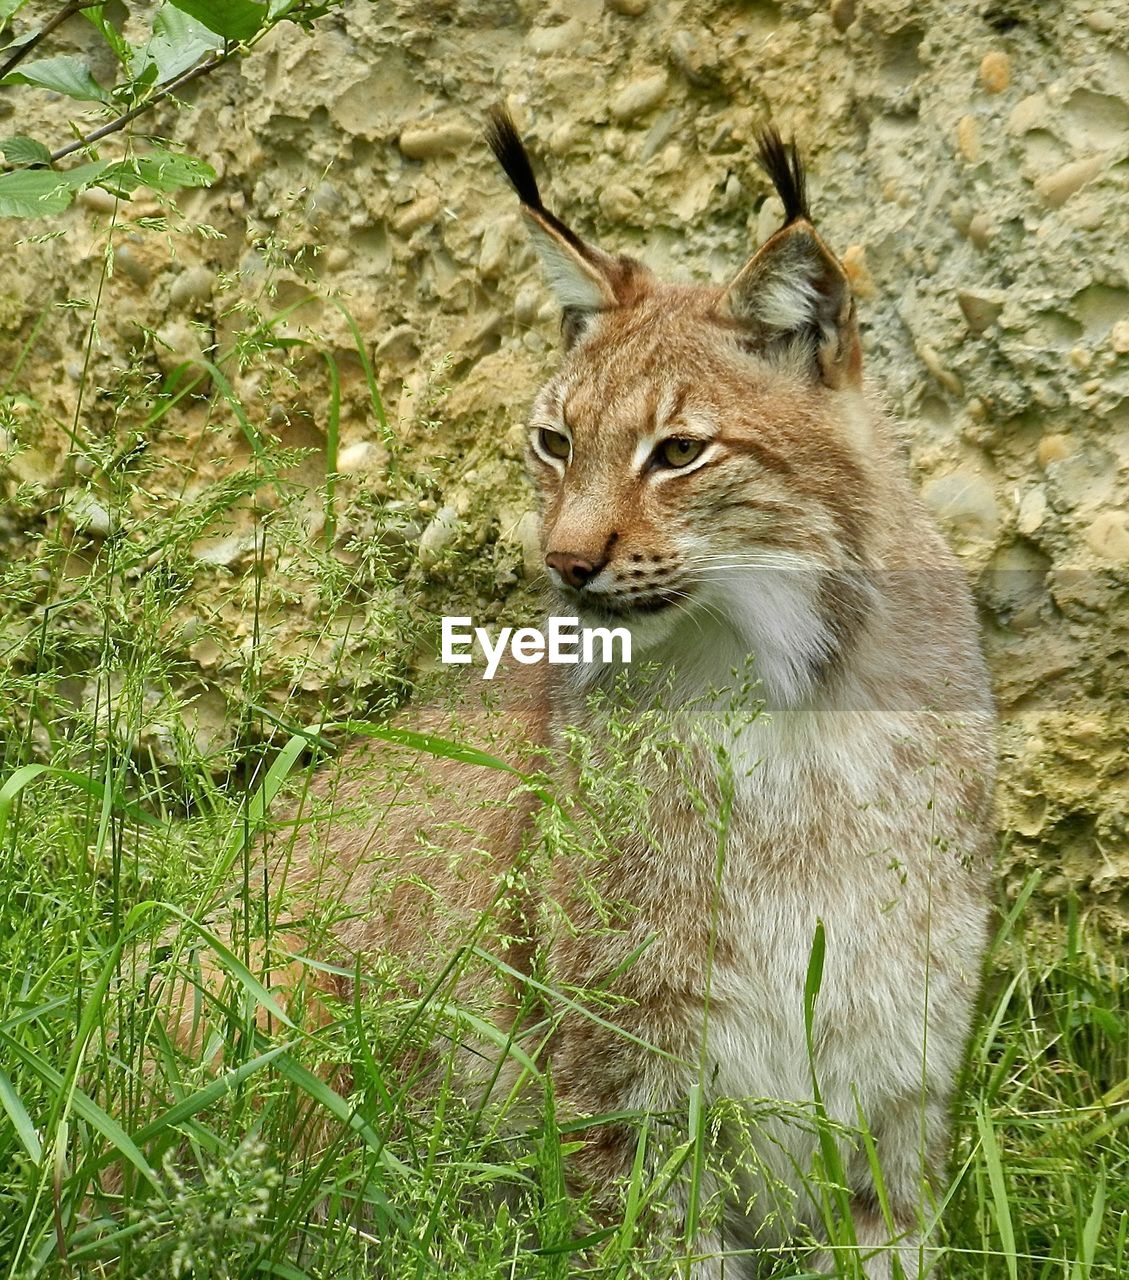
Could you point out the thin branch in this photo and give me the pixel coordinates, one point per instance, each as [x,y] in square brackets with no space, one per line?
[164,92]
[67,11]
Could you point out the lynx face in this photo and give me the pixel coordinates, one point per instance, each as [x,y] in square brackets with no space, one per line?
[701,452]
[671,460]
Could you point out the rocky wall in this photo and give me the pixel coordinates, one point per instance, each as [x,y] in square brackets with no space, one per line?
[969,161]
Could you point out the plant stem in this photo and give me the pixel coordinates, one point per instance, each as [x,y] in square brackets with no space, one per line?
[67,11]
[166,91]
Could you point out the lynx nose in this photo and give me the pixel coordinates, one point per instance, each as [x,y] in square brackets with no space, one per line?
[576,571]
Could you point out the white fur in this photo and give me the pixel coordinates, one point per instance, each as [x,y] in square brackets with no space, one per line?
[574,283]
[786,303]
[774,609]
[889,1027]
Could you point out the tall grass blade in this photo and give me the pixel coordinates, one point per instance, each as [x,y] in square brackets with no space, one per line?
[997,1181]
[20,1119]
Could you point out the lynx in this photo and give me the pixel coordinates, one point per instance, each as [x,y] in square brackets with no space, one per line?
[714,477]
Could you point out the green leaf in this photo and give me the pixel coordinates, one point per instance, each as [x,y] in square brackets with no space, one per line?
[158,170]
[98,790]
[177,43]
[166,171]
[813,979]
[187,1107]
[336,1105]
[62,74]
[29,772]
[120,46]
[21,150]
[238,970]
[33,193]
[16,782]
[9,8]
[232,19]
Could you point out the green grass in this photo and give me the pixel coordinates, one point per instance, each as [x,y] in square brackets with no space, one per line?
[397,1185]
[120,828]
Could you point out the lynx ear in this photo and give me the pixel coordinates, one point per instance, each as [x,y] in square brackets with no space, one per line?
[793,291]
[585,279]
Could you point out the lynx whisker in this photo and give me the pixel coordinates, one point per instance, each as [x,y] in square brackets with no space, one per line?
[768,560]
[700,606]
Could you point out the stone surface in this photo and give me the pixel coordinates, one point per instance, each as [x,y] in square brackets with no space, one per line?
[191,286]
[973,177]
[638,97]
[981,309]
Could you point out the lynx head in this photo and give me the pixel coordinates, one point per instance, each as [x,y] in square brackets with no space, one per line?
[701,451]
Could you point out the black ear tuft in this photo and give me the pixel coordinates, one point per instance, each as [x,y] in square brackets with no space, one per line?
[509,150]
[781,161]
[502,138]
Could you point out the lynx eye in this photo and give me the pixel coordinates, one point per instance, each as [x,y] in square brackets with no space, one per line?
[678,451]
[555,443]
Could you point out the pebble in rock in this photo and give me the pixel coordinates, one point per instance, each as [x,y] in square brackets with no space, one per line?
[980,230]
[494,255]
[398,345]
[358,457]
[437,535]
[629,8]
[193,285]
[527,304]
[995,71]
[1032,510]
[88,515]
[125,257]
[638,97]
[99,201]
[619,203]
[963,500]
[1053,448]
[932,362]
[1029,113]
[1108,535]
[695,55]
[426,140]
[418,214]
[1056,188]
[968,139]
[843,13]
[546,41]
[981,309]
